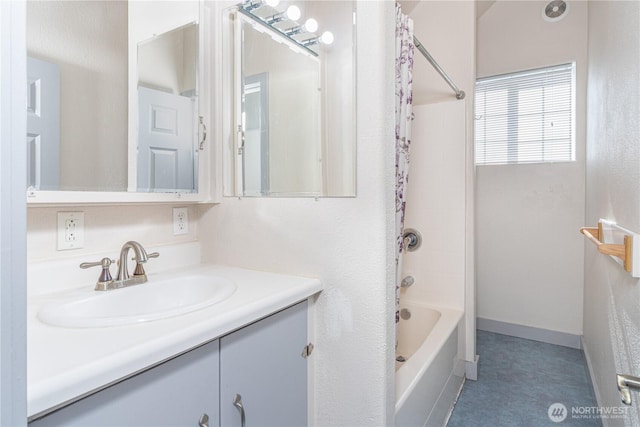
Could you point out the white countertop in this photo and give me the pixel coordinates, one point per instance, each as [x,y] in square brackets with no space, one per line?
[65,363]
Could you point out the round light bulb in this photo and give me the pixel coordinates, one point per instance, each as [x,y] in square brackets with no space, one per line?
[272,3]
[327,37]
[293,12]
[311,25]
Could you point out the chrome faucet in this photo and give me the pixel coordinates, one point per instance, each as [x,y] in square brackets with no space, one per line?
[123,279]
[141,257]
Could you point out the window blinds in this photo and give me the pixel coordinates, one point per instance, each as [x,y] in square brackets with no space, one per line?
[526,117]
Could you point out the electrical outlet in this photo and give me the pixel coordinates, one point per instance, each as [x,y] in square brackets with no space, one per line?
[70,230]
[180,221]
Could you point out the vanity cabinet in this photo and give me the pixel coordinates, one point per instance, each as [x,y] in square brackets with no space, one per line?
[262,363]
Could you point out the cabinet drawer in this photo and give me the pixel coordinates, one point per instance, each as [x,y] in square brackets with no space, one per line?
[174,393]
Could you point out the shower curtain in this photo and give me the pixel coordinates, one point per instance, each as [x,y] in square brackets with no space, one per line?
[404,93]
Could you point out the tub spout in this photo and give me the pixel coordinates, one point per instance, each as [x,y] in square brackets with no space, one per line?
[625,384]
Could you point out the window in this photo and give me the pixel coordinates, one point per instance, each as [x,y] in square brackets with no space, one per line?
[526,117]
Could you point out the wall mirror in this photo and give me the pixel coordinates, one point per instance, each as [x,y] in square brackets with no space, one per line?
[113,100]
[292,133]
[167,149]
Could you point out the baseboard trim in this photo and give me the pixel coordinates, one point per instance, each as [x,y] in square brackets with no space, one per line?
[590,374]
[471,368]
[529,332]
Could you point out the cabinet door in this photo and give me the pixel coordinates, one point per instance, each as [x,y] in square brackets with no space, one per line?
[175,393]
[263,364]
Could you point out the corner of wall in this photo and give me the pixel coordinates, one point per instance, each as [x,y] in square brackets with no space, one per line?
[348,243]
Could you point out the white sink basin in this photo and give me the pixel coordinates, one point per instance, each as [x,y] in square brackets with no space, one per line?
[156,299]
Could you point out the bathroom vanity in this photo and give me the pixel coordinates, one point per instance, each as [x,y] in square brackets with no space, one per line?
[242,361]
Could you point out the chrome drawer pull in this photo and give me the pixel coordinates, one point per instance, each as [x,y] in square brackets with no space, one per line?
[237,402]
[204,421]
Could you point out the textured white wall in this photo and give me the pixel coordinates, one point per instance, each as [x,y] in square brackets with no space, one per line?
[347,243]
[611,310]
[529,251]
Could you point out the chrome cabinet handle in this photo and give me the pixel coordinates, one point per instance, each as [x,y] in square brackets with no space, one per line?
[204,133]
[237,402]
[241,138]
[204,421]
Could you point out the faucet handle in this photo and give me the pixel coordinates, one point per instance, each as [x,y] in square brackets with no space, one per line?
[139,271]
[105,275]
[151,255]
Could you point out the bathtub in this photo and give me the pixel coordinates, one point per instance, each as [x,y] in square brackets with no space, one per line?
[429,381]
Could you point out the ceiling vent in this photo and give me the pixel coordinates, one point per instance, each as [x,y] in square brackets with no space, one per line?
[555,10]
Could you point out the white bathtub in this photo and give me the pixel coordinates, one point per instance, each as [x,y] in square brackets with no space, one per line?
[428,382]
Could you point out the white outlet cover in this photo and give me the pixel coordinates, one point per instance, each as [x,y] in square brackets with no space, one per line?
[70,231]
[180,221]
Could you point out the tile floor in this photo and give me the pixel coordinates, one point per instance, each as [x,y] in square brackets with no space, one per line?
[518,380]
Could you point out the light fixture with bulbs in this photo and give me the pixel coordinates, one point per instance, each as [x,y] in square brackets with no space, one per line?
[286,22]
[311,25]
[293,12]
[327,37]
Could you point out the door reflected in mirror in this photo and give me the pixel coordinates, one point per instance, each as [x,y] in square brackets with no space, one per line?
[294,91]
[168,108]
[256,181]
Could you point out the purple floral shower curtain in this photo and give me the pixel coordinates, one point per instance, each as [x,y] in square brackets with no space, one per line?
[404,93]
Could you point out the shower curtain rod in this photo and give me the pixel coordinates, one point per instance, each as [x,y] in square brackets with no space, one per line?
[459,93]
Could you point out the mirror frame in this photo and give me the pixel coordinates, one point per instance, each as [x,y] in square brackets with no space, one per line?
[208,188]
[229,185]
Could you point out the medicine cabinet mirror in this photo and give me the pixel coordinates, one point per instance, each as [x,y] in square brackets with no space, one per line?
[113,98]
[292,131]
